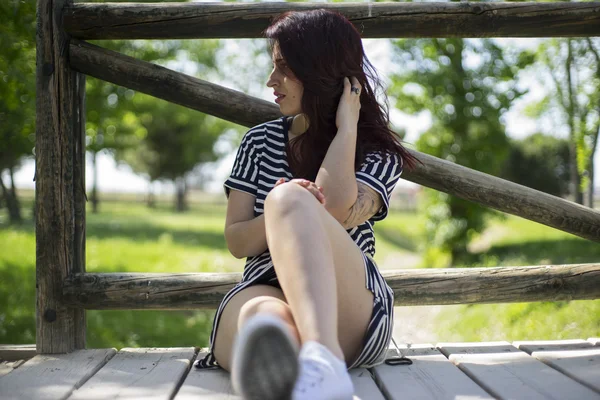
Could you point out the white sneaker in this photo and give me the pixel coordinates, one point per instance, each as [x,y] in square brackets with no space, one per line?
[323,376]
[264,361]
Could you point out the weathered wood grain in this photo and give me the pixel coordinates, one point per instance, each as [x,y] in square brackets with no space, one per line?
[578,359]
[206,384]
[13,352]
[372,20]
[430,376]
[505,196]
[7,367]
[248,111]
[53,376]
[215,384]
[172,86]
[143,373]
[509,373]
[59,328]
[411,287]
[365,387]
[79,197]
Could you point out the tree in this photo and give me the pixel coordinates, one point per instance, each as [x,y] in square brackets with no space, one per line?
[176,140]
[466,86]
[17,94]
[541,162]
[110,123]
[570,69]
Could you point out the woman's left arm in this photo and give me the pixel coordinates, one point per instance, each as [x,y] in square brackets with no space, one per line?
[336,175]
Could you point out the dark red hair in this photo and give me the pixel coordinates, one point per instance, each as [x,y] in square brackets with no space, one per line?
[321,47]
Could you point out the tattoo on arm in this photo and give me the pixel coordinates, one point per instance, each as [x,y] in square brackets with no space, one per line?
[368,202]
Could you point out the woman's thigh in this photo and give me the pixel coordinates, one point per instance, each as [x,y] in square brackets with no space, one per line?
[246,302]
[355,301]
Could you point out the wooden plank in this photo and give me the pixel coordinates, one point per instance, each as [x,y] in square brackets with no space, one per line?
[7,367]
[365,387]
[59,329]
[507,372]
[411,287]
[53,376]
[206,384]
[578,359]
[13,352]
[373,20]
[434,172]
[530,346]
[215,384]
[431,376]
[148,373]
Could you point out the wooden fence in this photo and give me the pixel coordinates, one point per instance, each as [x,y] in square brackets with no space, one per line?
[65,290]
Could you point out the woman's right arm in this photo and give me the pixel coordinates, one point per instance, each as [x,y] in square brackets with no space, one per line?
[245,234]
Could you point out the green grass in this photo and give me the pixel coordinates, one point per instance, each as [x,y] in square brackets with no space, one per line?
[123,237]
[129,237]
[520,242]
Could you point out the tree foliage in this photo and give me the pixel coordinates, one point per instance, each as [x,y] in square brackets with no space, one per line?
[570,70]
[540,162]
[17,92]
[466,86]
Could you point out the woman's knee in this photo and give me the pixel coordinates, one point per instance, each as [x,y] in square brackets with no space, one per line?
[265,304]
[270,305]
[287,197]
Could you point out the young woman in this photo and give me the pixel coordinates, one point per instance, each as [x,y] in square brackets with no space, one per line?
[303,197]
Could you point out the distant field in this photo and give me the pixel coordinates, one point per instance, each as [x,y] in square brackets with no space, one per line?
[128,236]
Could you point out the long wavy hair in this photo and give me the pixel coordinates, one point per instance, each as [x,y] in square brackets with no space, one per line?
[321,47]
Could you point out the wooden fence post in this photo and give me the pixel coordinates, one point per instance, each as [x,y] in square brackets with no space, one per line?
[60,169]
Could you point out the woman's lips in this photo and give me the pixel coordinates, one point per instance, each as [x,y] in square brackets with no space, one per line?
[278,100]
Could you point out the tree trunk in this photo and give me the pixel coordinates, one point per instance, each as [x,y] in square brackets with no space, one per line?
[95,200]
[180,192]
[150,199]
[571,110]
[13,193]
[590,190]
[12,203]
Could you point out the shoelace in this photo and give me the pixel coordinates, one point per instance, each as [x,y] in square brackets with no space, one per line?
[401,359]
[309,377]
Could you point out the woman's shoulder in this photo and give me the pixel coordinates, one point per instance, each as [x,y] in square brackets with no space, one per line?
[382,156]
[270,128]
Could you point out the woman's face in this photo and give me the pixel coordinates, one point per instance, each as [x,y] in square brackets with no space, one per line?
[283,82]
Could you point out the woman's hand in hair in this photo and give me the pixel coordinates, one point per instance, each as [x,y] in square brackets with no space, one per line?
[349,106]
[317,191]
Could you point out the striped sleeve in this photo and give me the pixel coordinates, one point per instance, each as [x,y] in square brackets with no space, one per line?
[244,174]
[381,171]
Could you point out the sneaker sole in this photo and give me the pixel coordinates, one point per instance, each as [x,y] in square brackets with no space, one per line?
[267,366]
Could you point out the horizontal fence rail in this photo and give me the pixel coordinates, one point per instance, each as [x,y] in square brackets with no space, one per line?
[411,287]
[166,84]
[249,111]
[373,20]
[503,195]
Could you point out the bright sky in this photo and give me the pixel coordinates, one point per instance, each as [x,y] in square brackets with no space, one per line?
[113,178]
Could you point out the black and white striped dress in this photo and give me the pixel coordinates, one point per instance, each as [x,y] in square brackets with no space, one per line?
[260,161]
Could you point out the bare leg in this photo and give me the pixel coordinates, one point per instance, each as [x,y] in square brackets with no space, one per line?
[313,255]
[252,300]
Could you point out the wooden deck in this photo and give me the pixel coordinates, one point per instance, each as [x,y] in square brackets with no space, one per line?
[564,369]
